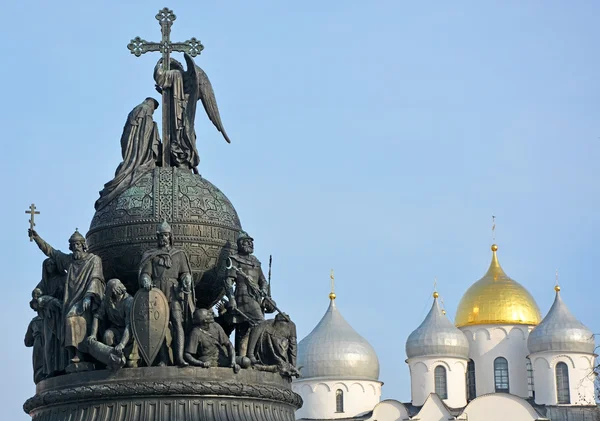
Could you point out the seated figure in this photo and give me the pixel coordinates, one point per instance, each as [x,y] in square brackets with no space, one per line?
[207,344]
[272,346]
[119,347]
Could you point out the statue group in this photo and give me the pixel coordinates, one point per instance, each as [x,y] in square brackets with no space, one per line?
[138,324]
[84,323]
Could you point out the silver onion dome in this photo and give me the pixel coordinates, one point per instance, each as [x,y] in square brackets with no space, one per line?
[437,336]
[335,350]
[561,331]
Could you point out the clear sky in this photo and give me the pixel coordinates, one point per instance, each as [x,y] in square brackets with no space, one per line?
[376,138]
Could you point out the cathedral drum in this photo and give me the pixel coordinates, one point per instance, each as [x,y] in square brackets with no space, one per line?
[204,223]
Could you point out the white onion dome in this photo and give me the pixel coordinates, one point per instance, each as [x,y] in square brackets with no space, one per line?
[561,331]
[335,350]
[437,336]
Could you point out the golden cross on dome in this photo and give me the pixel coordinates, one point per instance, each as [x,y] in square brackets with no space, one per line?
[556,286]
[332,278]
[493,229]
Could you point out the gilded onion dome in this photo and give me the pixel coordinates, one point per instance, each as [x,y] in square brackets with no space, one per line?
[335,350]
[497,299]
[561,331]
[437,336]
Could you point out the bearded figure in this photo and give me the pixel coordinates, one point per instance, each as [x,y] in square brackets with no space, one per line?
[168,269]
[83,292]
[246,303]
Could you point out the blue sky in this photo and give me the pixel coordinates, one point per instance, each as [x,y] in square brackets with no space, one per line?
[375,138]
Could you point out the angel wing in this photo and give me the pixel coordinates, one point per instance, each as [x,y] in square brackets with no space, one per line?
[207,96]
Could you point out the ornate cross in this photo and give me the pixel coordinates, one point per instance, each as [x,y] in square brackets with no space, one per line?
[32,212]
[139,46]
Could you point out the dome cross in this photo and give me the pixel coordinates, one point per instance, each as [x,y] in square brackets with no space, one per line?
[332,280]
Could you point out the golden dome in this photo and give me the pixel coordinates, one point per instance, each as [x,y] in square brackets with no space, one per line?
[497,299]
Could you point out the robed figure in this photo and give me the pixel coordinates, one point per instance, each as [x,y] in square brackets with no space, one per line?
[273,346]
[34,338]
[84,289]
[140,143]
[52,290]
[185,88]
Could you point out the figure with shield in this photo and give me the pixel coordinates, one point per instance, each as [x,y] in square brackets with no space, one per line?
[168,269]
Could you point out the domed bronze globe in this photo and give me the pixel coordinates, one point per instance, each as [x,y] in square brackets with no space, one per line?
[204,223]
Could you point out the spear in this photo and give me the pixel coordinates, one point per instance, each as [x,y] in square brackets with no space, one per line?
[269,278]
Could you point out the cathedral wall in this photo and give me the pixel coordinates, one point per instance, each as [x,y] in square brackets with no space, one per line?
[320,397]
[499,407]
[389,410]
[422,379]
[580,371]
[488,342]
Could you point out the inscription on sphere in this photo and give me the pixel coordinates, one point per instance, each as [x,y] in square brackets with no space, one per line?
[190,231]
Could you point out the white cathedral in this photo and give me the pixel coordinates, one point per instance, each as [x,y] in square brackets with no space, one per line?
[499,361]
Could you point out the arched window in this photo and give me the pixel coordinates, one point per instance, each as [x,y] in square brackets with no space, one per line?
[562,383]
[530,384]
[339,400]
[471,391]
[501,375]
[441,386]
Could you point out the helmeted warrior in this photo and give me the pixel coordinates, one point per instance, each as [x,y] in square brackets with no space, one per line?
[246,302]
[168,269]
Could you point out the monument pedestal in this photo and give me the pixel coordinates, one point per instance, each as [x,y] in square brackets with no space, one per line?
[165,394]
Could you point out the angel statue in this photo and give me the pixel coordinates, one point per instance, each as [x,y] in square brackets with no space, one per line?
[185,88]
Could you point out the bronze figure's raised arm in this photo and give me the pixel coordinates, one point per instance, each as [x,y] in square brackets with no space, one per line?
[84,289]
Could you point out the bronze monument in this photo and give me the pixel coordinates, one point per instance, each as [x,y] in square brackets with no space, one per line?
[145,345]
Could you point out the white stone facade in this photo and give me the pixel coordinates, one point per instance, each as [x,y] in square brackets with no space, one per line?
[488,342]
[581,377]
[321,397]
[422,379]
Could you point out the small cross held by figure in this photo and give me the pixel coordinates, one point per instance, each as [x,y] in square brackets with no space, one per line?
[32,212]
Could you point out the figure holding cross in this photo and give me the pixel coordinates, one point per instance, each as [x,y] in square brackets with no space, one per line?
[83,292]
[32,212]
[180,90]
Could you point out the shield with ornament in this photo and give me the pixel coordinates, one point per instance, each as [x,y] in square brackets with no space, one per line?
[149,321]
